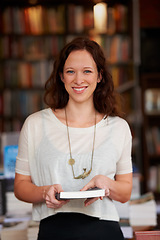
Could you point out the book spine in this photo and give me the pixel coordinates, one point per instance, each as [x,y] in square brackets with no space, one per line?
[61,22]
[71,18]
[2,197]
[79,16]
[120,75]
[153,140]
[1,104]
[52,20]
[88,21]
[111,24]
[121,18]
[7,23]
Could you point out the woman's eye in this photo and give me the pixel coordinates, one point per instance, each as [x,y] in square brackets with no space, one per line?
[70,71]
[87,71]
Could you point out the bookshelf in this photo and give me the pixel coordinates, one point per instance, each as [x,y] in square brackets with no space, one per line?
[33,32]
[31,35]
[150,83]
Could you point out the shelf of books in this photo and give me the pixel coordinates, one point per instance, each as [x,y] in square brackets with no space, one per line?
[151,130]
[32,35]
[30,38]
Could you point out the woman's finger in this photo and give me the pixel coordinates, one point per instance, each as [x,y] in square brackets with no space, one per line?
[88,186]
[89,201]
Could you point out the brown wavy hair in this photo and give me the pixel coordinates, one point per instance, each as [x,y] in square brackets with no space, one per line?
[104,97]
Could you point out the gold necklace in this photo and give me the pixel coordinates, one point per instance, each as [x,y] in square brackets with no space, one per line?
[71,161]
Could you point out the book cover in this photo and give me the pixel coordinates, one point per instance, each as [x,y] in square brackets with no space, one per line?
[95,192]
[10,154]
[147,235]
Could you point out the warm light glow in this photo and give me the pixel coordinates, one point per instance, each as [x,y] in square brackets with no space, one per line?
[100,17]
[33,1]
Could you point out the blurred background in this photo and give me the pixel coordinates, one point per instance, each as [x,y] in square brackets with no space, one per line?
[32,32]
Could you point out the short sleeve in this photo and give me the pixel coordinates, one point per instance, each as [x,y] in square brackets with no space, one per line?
[124,165]
[22,160]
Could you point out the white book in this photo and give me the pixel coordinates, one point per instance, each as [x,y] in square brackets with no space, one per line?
[91,193]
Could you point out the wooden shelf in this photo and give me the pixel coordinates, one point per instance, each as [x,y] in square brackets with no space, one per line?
[23,56]
[126,86]
[151,124]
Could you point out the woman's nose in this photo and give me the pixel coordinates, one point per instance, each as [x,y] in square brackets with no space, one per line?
[79,78]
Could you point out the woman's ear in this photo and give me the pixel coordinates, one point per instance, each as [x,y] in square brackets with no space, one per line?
[99,78]
[61,76]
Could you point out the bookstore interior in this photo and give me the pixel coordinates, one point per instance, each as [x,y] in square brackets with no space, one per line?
[32,32]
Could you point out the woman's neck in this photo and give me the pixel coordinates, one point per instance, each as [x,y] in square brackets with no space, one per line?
[82,115]
[79,115]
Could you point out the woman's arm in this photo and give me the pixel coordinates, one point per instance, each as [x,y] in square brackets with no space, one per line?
[26,191]
[119,189]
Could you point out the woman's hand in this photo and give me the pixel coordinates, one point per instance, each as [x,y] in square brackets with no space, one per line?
[50,198]
[118,189]
[99,181]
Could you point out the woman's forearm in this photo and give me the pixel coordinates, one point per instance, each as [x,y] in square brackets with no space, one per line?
[120,190]
[26,191]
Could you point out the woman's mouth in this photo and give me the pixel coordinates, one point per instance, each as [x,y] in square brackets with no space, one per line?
[79,89]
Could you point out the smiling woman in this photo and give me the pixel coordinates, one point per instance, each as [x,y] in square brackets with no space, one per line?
[104,96]
[74,145]
[80,76]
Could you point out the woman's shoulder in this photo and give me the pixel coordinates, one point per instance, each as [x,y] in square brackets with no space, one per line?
[119,124]
[118,120]
[38,116]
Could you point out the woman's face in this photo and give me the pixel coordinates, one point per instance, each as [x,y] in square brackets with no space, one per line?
[80,76]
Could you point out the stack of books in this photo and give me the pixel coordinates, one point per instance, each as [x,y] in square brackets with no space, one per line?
[33,229]
[18,231]
[143,211]
[15,207]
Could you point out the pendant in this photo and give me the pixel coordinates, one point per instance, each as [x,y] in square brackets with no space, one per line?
[84,174]
[71,161]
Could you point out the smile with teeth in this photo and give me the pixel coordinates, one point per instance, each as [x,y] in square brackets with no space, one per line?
[79,89]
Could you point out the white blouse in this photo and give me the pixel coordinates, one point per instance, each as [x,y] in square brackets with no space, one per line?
[43,153]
